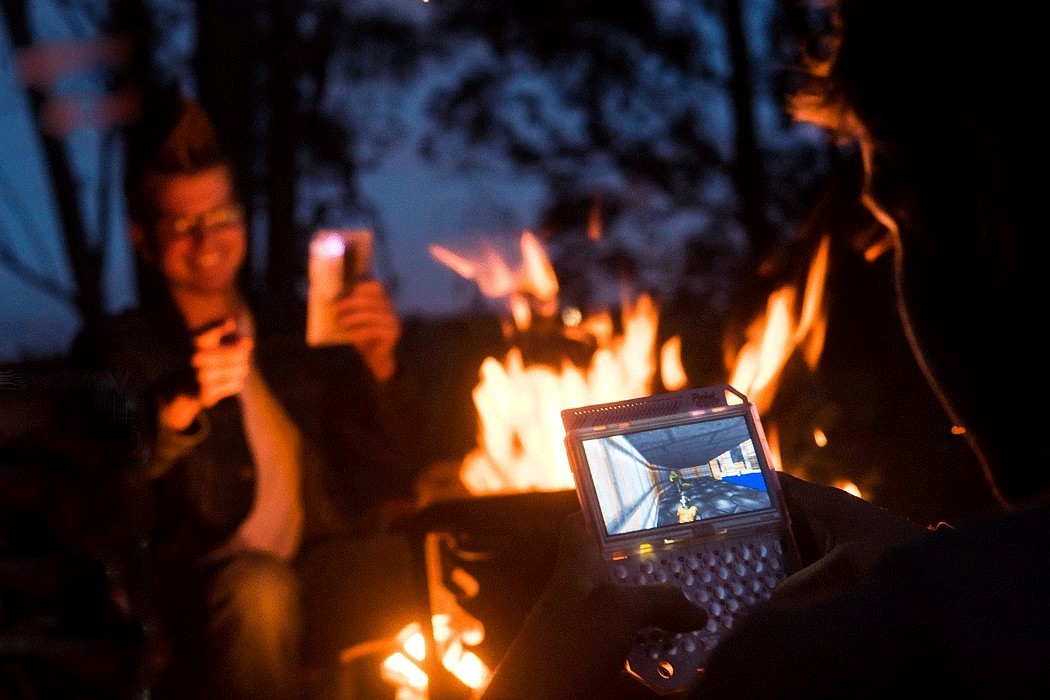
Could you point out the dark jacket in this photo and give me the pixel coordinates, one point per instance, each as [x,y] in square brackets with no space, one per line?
[358,441]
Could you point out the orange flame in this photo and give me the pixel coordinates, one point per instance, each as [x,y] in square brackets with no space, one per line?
[520,441]
[773,338]
[594,221]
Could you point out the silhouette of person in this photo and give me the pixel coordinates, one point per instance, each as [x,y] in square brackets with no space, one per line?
[275,466]
[940,98]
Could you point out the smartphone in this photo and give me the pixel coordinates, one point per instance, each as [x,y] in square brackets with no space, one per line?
[679,488]
[339,259]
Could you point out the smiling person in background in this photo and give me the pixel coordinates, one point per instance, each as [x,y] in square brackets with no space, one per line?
[940,97]
[278,470]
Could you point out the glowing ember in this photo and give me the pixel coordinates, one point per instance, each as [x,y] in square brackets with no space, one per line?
[848,487]
[594,222]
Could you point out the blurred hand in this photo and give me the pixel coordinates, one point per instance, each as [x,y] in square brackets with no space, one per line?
[840,536]
[220,369]
[836,615]
[368,318]
[576,638]
[581,573]
[591,622]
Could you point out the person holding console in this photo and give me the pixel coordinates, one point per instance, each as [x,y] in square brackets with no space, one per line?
[939,97]
[727,558]
[277,469]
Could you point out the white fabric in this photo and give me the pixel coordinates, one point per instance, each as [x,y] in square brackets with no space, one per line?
[275,522]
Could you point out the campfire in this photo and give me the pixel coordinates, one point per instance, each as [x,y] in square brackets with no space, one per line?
[519,400]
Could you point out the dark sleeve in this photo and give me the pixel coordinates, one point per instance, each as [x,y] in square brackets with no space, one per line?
[150,347]
[146,357]
[391,433]
[367,433]
[148,352]
[399,411]
[947,614]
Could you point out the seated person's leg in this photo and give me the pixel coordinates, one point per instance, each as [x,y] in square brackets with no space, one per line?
[236,632]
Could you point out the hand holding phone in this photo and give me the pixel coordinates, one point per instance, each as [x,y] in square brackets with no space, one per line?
[366,319]
[339,259]
[678,489]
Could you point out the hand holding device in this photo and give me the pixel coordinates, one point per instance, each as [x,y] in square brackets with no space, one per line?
[220,364]
[339,259]
[367,320]
[678,489]
[575,638]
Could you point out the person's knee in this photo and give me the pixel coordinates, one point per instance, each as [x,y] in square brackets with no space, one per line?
[258,588]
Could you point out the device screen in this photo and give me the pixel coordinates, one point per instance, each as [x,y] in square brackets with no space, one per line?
[648,479]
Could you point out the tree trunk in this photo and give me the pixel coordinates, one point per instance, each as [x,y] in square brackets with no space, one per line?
[285,260]
[749,172]
[226,65]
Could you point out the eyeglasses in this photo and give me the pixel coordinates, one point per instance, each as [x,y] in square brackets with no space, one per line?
[222,217]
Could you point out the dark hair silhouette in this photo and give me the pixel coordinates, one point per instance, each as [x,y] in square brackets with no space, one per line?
[174,137]
[941,99]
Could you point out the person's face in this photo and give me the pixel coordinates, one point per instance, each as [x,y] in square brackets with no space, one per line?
[968,289]
[199,232]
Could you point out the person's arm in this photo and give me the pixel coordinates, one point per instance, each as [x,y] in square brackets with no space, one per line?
[575,640]
[940,613]
[171,445]
[366,416]
[839,535]
[369,322]
[576,637]
[220,370]
[838,623]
